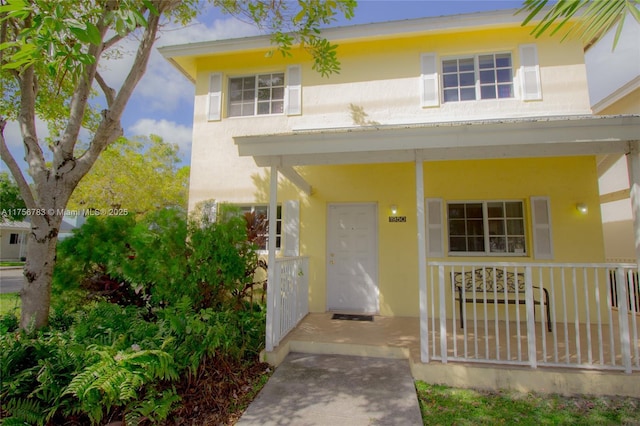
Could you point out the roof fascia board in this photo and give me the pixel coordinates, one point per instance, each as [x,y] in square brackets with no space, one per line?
[620,93]
[593,135]
[407,27]
[444,154]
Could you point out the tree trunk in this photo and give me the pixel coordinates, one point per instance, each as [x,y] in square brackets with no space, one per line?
[38,271]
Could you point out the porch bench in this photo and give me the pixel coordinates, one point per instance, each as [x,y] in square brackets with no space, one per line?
[483,279]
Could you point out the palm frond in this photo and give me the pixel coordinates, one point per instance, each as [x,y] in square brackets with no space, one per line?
[587,20]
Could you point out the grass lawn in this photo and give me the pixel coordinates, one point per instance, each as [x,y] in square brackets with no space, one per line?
[11,263]
[8,302]
[443,405]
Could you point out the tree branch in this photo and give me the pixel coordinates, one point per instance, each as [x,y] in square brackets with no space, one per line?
[5,154]
[63,151]
[27,121]
[112,41]
[109,128]
[109,93]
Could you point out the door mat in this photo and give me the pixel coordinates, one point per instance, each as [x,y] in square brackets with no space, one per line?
[350,317]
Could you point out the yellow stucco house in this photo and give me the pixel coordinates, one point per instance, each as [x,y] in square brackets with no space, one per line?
[445,182]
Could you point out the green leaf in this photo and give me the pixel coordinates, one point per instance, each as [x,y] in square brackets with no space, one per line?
[15,9]
[80,34]
[93,34]
[152,8]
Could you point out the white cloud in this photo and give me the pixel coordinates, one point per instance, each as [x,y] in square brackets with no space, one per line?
[170,131]
[199,31]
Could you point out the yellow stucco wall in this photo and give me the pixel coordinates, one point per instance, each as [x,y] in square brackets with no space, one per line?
[380,77]
[577,238]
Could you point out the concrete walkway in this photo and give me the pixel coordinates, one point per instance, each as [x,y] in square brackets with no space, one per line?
[336,390]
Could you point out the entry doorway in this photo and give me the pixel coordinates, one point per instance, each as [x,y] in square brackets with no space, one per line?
[352,258]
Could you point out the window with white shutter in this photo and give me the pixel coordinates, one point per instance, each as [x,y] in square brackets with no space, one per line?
[215,97]
[435,228]
[291,228]
[429,80]
[542,237]
[530,73]
[294,90]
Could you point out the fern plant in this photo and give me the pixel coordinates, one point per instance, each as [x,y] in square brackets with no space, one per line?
[24,411]
[116,380]
[155,407]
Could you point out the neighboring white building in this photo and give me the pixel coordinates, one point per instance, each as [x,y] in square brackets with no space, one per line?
[614,88]
[13,240]
[13,235]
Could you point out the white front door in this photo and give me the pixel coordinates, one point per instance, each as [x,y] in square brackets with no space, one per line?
[352,258]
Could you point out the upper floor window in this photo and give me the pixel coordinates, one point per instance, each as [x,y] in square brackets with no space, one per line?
[487,227]
[256,95]
[487,76]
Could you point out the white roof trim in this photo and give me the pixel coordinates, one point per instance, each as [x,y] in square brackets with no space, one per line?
[16,226]
[353,32]
[532,137]
[620,93]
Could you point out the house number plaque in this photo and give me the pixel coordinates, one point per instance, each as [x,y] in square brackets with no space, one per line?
[397,218]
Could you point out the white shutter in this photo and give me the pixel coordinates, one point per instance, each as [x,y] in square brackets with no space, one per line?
[530,73]
[430,96]
[291,228]
[294,90]
[215,96]
[541,218]
[435,228]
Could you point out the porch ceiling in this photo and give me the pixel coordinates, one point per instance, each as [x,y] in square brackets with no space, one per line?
[513,138]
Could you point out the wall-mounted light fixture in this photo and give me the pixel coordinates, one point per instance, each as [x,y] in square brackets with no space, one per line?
[394,209]
[582,208]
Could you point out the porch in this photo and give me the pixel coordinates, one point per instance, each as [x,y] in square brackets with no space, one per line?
[591,345]
[399,337]
[556,327]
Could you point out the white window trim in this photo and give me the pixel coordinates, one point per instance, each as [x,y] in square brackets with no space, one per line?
[476,70]
[255,100]
[485,220]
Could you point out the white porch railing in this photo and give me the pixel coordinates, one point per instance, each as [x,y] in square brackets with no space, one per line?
[291,297]
[559,315]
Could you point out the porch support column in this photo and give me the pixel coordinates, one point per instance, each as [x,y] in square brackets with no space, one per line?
[422,261]
[633,164]
[271,269]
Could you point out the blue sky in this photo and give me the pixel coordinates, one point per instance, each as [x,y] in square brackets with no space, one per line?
[163,101]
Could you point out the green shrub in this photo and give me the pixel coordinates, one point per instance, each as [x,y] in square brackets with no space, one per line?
[113,361]
[160,259]
[9,322]
[137,307]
